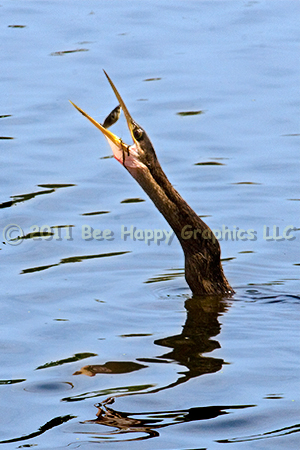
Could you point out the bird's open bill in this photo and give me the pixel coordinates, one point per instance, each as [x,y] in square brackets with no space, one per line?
[119,148]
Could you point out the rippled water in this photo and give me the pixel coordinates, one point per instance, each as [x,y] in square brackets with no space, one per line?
[100,340]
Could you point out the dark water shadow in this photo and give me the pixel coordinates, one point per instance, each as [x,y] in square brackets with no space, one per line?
[42,429]
[267,435]
[133,200]
[209,163]
[12,381]
[72,259]
[65,52]
[49,189]
[71,359]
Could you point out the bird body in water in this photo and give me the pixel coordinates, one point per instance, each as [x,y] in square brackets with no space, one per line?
[203,269]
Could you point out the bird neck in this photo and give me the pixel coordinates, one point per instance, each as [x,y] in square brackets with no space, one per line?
[203,269]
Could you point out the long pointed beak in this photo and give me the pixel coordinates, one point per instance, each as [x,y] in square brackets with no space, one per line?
[111,137]
[128,117]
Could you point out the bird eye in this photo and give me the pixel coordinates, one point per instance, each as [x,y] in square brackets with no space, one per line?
[138,134]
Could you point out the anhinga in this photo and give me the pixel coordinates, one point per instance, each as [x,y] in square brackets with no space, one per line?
[203,268]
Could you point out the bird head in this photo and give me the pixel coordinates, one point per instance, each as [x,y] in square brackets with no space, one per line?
[140,154]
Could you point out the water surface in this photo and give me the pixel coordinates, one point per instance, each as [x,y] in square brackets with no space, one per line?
[83,320]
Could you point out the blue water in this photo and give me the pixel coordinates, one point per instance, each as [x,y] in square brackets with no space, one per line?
[84,320]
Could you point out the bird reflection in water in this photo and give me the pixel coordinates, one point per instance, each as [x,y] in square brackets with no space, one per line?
[188,349]
[149,422]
